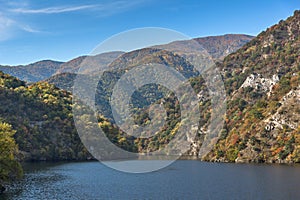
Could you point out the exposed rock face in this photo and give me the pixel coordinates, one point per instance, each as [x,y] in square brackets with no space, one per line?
[203,96]
[282,118]
[196,143]
[285,118]
[259,83]
[262,80]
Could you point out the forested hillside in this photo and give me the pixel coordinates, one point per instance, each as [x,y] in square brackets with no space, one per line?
[262,84]
[262,123]
[41,115]
[262,81]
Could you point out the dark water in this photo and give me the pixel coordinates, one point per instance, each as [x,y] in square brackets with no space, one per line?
[181,180]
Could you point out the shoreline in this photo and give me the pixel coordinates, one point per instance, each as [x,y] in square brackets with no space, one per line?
[182,158]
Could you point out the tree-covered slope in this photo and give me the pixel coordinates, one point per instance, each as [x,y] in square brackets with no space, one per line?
[41,115]
[262,84]
[10,168]
[262,81]
[261,124]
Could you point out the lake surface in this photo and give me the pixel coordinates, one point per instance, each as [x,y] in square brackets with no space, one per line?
[184,179]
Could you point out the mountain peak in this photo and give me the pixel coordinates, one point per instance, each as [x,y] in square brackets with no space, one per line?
[285,30]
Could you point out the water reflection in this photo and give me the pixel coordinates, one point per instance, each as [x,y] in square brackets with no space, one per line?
[181,180]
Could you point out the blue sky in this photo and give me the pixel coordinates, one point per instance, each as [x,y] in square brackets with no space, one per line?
[32,30]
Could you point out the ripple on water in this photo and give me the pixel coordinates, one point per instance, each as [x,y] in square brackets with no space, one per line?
[181,180]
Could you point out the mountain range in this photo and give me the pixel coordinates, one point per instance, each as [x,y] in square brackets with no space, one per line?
[261,77]
[217,46]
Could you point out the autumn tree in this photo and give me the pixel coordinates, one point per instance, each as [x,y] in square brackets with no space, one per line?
[10,168]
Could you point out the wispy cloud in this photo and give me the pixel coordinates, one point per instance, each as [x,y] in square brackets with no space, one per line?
[8,27]
[5,22]
[12,22]
[15,3]
[52,10]
[105,8]
[116,7]
[29,29]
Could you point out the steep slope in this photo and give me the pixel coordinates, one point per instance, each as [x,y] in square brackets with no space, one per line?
[262,81]
[33,72]
[41,115]
[262,84]
[148,94]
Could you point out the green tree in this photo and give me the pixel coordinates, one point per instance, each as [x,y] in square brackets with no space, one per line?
[10,168]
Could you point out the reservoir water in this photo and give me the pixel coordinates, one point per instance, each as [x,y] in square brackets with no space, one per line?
[184,179]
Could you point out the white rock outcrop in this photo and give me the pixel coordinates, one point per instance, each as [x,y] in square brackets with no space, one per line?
[261,84]
[282,116]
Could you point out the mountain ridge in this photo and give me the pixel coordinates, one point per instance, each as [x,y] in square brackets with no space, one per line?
[262,84]
[35,72]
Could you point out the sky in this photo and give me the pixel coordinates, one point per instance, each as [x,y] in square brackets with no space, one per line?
[33,30]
